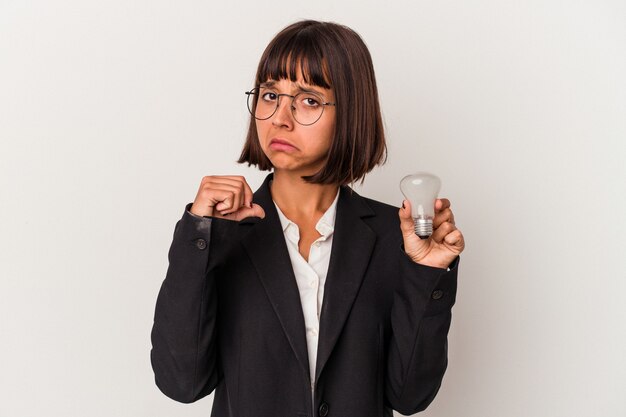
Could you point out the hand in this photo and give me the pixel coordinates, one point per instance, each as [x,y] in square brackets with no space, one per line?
[227,197]
[442,247]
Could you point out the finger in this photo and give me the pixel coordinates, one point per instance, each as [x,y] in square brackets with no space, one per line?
[237,201]
[224,205]
[405,210]
[255,211]
[440,233]
[258,211]
[238,189]
[207,200]
[444,216]
[442,204]
[230,198]
[246,190]
[455,238]
[244,212]
[225,178]
[407,224]
[248,194]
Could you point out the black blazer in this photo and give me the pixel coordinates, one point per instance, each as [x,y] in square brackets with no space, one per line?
[228,318]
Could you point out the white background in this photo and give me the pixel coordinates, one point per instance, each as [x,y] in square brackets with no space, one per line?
[112,111]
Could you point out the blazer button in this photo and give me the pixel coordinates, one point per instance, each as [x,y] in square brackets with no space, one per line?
[323,410]
[201,244]
[437,294]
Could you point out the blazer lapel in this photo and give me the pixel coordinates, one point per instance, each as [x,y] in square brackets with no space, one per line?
[267,249]
[353,242]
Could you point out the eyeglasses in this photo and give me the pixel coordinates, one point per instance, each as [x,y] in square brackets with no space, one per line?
[306,107]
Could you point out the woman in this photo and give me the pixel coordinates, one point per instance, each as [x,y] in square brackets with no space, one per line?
[304,298]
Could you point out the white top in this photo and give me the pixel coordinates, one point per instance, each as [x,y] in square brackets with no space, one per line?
[311,275]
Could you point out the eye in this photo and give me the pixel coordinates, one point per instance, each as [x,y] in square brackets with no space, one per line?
[269,96]
[310,101]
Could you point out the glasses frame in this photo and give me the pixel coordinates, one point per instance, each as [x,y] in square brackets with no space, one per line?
[255,92]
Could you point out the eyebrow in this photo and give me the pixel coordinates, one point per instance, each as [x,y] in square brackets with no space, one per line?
[272,83]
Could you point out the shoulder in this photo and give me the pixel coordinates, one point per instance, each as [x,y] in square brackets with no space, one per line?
[377,207]
[383,217]
[380,208]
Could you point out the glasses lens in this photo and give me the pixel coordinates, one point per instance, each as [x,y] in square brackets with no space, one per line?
[262,103]
[307,108]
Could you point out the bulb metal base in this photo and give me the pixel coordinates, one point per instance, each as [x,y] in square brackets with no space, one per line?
[423,227]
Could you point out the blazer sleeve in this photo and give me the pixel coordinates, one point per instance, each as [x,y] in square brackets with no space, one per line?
[417,354]
[183,355]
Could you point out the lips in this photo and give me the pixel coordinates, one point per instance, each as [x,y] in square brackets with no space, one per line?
[281,144]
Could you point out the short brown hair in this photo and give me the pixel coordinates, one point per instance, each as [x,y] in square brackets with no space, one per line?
[331,56]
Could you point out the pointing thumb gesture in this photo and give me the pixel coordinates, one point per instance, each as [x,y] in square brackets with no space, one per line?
[225,197]
[242,213]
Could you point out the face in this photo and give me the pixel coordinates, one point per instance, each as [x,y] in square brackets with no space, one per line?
[289,145]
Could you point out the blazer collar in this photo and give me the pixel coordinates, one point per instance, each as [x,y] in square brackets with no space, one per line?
[353,242]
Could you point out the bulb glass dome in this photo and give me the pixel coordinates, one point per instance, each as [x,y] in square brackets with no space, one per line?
[421,189]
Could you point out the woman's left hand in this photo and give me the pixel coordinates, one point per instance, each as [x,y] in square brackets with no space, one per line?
[442,247]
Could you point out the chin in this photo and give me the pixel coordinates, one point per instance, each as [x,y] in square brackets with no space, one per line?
[285,162]
[281,159]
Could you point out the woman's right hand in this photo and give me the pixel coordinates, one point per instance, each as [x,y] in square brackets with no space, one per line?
[227,197]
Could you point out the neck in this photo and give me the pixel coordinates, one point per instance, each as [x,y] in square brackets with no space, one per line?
[298,199]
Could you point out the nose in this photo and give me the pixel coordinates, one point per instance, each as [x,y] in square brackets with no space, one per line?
[283,115]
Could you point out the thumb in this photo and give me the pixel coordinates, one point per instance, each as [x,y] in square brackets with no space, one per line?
[407,225]
[415,247]
[244,212]
[257,211]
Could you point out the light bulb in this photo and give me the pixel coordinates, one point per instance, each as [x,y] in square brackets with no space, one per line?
[421,190]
